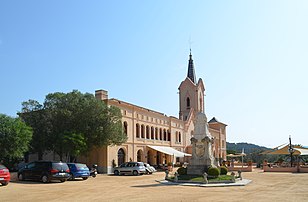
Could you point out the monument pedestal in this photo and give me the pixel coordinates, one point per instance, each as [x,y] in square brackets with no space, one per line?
[202,157]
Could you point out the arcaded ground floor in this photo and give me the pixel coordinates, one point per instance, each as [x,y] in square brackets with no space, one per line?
[264,187]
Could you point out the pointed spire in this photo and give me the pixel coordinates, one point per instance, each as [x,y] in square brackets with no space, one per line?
[191,69]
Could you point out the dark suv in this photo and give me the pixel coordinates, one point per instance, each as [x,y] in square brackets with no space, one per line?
[45,171]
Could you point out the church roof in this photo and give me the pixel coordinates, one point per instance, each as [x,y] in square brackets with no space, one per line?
[214,120]
[191,70]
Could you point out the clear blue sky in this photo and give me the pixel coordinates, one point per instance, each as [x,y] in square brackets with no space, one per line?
[252,56]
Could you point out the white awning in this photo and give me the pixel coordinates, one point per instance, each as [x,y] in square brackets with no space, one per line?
[302,151]
[169,151]
[236,155]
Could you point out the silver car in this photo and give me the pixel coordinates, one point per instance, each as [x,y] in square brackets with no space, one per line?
[131,168]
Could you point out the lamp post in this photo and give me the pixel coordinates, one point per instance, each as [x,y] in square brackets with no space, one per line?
[291,150]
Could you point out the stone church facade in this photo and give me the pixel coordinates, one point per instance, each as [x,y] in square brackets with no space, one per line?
[151,133]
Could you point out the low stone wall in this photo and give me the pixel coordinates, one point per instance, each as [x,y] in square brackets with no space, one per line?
[296,169]
[240,168]
[279,169]
[303,169]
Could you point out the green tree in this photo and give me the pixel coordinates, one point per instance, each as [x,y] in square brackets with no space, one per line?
[39,119]
[77,122]
[15,137]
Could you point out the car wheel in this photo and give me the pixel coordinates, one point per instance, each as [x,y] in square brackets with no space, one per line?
[72,177]
[4,183]
[45,179]
[21,177]
[62,180]
[84,178]
[116,172]
[135,172]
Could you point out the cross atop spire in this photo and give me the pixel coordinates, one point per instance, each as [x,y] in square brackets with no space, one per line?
[191,69]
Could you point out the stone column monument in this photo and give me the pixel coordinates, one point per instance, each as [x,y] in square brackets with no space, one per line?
[202,157]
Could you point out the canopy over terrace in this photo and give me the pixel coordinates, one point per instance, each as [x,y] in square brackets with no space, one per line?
[298,150]
[169,151]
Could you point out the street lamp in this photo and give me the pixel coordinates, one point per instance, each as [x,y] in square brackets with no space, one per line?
[291,150]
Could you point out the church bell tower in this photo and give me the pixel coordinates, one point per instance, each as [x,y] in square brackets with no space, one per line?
[191,93]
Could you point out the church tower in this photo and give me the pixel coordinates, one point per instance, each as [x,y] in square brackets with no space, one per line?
[191,93]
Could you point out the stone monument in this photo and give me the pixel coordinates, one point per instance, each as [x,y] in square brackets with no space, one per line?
[202,157]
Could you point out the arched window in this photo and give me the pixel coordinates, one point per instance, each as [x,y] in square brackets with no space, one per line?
[160,134]
[176,136]
[180,138]
[169,135]
[142,131]
[187,102]
[121,156]
[125,127]
[137,130]
[152,133]
[165,135]
[156,133]
[148,132]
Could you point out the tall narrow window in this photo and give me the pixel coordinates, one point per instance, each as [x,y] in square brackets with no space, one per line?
[165,135]
[142,131]
[201,103]
[187,103]
[152,133]
[148,132]
[125,127]
[180,138]
[169,135]
[160,134]
[156,133]
[137,130]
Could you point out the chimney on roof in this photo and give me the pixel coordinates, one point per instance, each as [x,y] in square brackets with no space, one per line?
[101,94]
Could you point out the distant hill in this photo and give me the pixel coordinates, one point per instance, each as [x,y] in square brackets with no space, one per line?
[248,148]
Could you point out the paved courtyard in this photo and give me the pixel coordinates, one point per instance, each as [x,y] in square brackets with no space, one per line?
[264,187]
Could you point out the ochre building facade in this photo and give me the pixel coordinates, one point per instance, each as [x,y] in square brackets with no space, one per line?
[147,129]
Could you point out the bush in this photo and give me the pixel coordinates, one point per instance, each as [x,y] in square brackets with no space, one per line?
[182,171]
[223,170]
[213,172]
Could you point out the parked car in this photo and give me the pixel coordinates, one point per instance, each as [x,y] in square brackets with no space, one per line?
[5,175]
[149,169]
[134,168]
[78,170]
[44,171]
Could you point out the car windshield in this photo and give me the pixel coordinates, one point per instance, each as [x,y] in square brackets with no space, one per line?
[60,166]
[140,164]
[2,167]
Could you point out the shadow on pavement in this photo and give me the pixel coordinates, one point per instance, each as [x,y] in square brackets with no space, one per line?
[154,185]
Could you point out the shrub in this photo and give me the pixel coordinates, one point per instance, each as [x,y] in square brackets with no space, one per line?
[213,171]
[223,170]
[182,171]
[170,164]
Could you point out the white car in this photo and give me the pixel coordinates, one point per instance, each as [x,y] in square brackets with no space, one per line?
[149,169]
